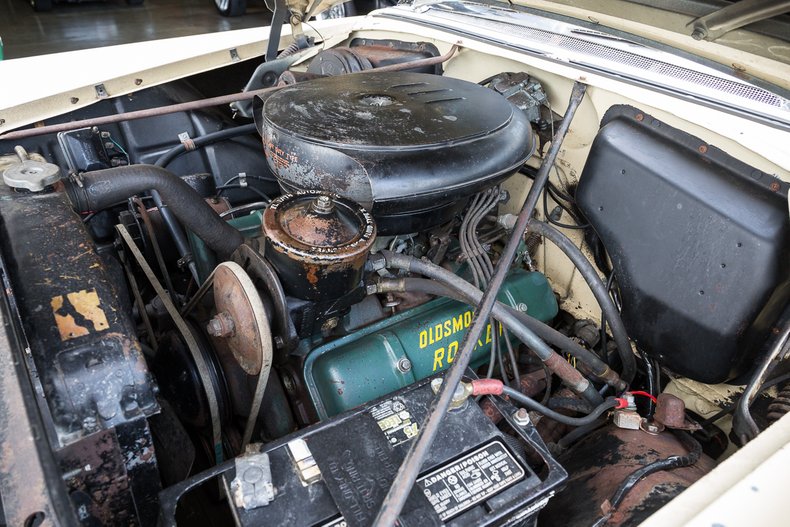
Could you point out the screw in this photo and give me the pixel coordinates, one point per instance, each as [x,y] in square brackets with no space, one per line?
[404,365]
[702,149]
[651,427]
[698,33]
[279,342]
[330,324]
[522,307]
[138,81]
[288,383]
[639,117]
[221,326]
[74,100]
[391,301]
[775,186]
[521,417]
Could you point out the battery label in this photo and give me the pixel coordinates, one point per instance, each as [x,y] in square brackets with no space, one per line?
[460,485]
[395,421]
[337,522]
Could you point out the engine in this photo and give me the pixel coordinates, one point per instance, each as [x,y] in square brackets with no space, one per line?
[280,307]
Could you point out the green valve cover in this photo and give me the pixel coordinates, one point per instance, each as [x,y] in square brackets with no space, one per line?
[370,363]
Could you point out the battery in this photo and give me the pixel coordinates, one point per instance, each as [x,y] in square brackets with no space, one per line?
[337,472]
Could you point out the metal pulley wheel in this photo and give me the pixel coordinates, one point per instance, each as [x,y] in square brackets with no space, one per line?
[241,320]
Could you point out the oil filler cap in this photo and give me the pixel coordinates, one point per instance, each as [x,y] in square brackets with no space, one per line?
[318,242]
[30,174]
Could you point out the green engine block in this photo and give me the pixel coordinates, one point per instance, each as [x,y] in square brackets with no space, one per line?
[395,352]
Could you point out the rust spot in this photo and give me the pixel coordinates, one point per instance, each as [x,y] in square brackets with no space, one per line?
[312,274]
[77,314]
[775,186]
[702,149]
[639,117]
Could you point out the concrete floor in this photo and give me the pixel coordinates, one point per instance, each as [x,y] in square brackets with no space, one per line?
[72,26]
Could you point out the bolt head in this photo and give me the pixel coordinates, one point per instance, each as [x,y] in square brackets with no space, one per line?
[521,417]
[221,326]
[404,365]
[323,205]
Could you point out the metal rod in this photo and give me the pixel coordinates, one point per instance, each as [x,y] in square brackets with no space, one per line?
[410,468]
[139,114]
[199,104]
[421,63]
[744,425]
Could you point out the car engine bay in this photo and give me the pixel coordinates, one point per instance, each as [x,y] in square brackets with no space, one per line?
[245,314]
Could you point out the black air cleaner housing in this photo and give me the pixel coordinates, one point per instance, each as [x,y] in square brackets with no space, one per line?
[409,147]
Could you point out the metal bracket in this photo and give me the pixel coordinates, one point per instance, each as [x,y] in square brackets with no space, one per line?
[252,487]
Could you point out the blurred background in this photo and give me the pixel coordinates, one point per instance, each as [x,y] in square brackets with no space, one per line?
[38,27]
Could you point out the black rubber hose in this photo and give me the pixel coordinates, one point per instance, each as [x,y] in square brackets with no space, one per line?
[694,453]
[203,140]
[101,188]
[532,404]
[598,288]
[511,318]
[180,239]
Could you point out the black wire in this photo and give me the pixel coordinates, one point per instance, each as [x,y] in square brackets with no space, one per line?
[695,451]
[88,217]
[205,140]
[532,404]
[512,357]
[651,388]
[577,433]
[604,352]
[558,196]
[547,393]
[550,218]
[258,192]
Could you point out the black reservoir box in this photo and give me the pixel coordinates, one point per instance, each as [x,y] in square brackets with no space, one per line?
[338,472]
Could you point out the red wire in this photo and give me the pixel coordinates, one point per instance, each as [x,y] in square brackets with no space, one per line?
[645,394]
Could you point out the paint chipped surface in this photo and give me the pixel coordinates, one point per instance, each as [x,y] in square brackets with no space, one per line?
[78,314]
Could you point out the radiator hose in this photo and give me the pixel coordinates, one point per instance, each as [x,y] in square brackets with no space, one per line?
[93,191]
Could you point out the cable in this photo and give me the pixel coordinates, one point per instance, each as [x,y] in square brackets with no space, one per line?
[577,433]
[651,388]
[570,376]
[249,207]
[598,288]
[558,196]
[463,291]
[253,189]
[534,405]
[694,453]
[205,140]
[123,151]
[418,451]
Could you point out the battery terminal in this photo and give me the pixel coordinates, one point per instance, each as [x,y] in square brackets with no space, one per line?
[306,466]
